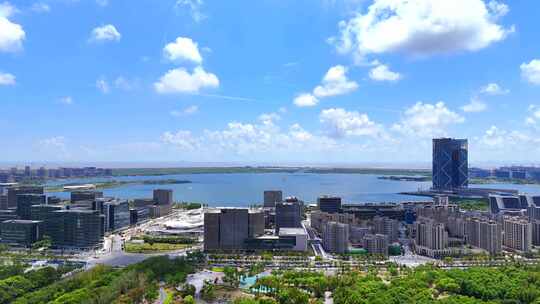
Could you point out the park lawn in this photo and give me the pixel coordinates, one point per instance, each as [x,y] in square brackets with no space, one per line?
[154,247]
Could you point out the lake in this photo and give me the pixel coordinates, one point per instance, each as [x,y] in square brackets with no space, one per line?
[244,189]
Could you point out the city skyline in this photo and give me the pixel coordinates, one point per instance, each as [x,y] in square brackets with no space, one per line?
[268,82]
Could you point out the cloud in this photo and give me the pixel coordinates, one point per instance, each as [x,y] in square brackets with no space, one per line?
[382,72]
[183,49]
[249,139]
[421,27]
[186,111]
[475,105]
[7,79]
[340,123]
[40,7]
[181,139]
[269,118]
[427,120]
[534,116]
[12,34]
[54,147]
[531,71]
[179,80]
[493,89]
[194,7]
[124,84]
[497,138]
[305,100]
[335,83]
[105,33]
[66,100]
[103,86]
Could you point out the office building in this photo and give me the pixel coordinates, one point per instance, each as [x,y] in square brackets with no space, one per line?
[77,228]
[163,196]
[53,200]
[299,235]
[159,210]
[289,214]
[386,226]
[14,191]
[504,203]
[335,237]
[47,215]
[271,197]
[230,228]
[329,204]
[143,202]
[517,234]
[77,196]
[10,214]
[117,215]
[25,203]
[256,224]
[431,238]
[138,215]
[450,164]
[3,202]
[22,232]
[376,244]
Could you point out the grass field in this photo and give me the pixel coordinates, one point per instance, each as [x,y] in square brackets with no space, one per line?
[153,248]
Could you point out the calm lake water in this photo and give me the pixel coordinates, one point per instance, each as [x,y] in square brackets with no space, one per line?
[243,189]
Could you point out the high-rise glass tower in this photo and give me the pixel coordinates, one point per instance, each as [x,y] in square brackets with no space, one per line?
[450,163]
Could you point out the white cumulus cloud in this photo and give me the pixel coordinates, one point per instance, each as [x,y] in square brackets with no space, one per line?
[183,49]
[534,116]
[305,100]
[493,89]
[382,72]
[182,139]
[427,120]
[341,123]
[180,80]
[422,27]
[7,79]
[475,105]
[105,33]
[531,71]
[334,83]
[12,34]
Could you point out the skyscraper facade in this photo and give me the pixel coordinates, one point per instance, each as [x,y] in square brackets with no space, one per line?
[271,197]
[450,163]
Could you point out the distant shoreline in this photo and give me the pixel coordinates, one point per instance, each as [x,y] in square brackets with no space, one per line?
[231,170]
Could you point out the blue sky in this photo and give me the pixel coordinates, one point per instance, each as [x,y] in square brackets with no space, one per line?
[346,81]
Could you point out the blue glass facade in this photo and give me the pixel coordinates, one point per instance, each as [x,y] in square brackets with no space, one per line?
[450,164]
